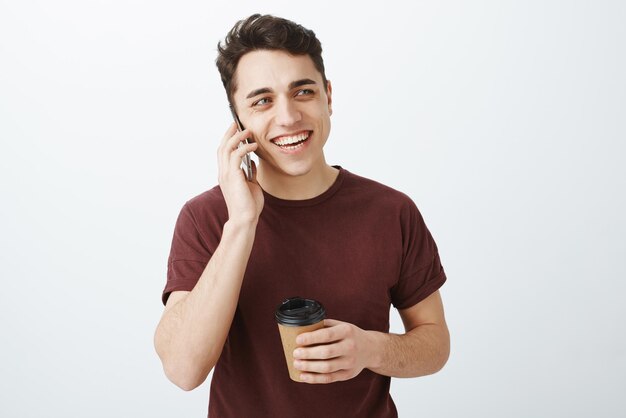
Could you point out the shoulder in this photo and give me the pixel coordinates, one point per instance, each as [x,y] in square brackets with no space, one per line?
[210,198]
[376,193]
[207,208]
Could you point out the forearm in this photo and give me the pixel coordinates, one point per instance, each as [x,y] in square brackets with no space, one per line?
[190,337]
[421,351]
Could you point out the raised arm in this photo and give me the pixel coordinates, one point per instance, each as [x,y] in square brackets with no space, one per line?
[194,326]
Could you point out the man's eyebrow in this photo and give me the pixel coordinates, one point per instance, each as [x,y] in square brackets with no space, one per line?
[292,85]
[299,83]
[257,92]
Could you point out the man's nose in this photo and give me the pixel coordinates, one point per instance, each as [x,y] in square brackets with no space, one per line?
[287,112]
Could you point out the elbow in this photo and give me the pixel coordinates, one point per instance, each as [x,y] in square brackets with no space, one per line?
[434,366]
[438,354]
[185,382]
[441,361]
[186,377]
[184,371]
[443,354]
[182,382]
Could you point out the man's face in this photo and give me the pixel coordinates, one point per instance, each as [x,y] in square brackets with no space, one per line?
[281,100]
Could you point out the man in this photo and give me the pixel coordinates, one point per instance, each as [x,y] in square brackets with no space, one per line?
[300,227]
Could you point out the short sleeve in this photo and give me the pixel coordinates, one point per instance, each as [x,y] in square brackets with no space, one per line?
[190,252]
[421,272]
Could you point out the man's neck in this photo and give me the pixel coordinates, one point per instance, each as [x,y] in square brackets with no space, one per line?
[288,187]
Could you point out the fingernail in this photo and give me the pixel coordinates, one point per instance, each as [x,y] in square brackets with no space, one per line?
[296,353]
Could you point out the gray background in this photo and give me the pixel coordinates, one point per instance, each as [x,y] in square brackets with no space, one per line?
[503,120]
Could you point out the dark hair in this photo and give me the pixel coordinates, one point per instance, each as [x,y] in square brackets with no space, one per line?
[265,32]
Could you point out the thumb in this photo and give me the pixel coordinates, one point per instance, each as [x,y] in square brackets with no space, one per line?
[254,171]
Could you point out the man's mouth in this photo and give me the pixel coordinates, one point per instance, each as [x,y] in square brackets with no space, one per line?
[292,142]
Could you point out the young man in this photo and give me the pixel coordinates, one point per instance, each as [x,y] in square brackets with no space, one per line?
[300,228]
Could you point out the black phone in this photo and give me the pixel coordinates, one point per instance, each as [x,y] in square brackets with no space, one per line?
[246,162]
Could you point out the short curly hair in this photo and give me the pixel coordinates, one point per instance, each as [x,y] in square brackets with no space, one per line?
[259,32]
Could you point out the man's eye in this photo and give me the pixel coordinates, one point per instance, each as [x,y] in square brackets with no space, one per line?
[304,92]
[261,102]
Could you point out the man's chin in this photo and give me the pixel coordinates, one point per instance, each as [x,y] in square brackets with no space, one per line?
[288,169]
[295,170]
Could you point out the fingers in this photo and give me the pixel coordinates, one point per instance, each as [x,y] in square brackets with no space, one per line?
[323,352]
[241,151]
[231,139]
[329,354]
[326,366]
[314,378]
[335,332]
[232,150]
[237,156]
[232,128]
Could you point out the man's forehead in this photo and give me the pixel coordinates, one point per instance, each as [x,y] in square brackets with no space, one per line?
[273,70]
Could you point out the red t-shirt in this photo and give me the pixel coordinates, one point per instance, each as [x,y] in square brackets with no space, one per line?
[357,248]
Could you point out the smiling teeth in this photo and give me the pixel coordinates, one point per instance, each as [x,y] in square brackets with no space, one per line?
[288,140]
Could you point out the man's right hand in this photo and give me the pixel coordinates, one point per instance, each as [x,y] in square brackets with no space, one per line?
[244,199]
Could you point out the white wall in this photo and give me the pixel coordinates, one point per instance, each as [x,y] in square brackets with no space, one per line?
[504,120]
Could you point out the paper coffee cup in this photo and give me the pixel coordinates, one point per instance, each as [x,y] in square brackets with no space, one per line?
[294,317]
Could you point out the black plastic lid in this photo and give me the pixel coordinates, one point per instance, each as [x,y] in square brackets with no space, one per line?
[297,312]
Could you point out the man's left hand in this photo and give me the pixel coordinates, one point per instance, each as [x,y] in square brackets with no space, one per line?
[337,352]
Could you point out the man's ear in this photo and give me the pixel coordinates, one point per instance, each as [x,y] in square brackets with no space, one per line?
[329,94]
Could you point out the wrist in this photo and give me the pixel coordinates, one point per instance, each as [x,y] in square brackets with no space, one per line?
[376,343]
[241,223]
[238,227]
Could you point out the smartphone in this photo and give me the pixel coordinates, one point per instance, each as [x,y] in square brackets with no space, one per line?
[246,163]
